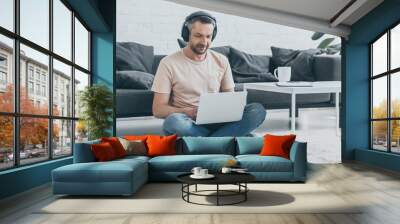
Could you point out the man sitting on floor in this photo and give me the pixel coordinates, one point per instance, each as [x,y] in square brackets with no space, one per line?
[183,76]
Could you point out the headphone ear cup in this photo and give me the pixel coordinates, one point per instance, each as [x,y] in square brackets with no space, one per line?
[214,33]
[185,32]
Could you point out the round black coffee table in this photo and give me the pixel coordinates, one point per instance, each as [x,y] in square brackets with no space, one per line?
[238,179]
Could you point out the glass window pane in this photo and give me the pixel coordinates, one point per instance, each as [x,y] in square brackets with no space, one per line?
[395,136]
[33,139]
[35,21]
[6,142]
[6,74]
[81,131]
[62,29]
[62,138]
[62,89]
[34,66]
[7,14]
[81,81]
[395,47]
[395,94]
[379,55]
[379,97]
[81,45]
[379,135]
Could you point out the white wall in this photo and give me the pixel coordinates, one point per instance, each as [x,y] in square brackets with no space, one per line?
[158,23]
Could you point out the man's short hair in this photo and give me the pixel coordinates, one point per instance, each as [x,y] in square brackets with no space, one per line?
[202,19]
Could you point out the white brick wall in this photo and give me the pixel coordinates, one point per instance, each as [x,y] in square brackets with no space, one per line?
[158,23]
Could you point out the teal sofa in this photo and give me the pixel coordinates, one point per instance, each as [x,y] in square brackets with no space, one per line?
[125,176]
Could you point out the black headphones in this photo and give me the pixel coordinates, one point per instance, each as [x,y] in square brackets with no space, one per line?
[185,30]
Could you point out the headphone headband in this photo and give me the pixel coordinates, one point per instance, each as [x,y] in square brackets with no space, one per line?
[200,14]
[185,30]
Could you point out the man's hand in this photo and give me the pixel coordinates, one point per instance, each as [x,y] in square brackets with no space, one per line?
[162,109]
[190,111]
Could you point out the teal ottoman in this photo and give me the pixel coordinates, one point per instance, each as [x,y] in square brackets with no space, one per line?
[118,177]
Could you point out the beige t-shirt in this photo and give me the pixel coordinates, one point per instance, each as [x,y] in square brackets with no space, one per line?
[186,79]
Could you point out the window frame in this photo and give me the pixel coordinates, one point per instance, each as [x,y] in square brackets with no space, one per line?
[388,74]
[16,114]
[3,69]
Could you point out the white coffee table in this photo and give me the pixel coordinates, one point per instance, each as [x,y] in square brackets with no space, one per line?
[317,87]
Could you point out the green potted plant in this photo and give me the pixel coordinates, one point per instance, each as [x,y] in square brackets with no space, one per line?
[96,102]
[326,45]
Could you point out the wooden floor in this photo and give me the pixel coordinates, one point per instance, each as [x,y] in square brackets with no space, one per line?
[379,189]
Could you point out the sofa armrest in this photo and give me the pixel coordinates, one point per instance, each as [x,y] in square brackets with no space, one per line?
[83,152]
[298,155]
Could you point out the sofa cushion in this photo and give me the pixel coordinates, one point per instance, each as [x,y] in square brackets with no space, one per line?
[225,50]
[185,163]
[136,137]
[134,80]
[156,62]
[241,77]
[300,61]
[134,56]
[249,145]
[103,152]
[161,145]
[277,145]
[257,163]
[116,145]
[250,68]
[134,147]
[209,145]
[111,171]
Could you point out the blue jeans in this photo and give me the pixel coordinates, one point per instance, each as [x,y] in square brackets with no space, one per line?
[183,125]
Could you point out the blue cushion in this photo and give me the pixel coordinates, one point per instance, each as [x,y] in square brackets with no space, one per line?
[184,163]
[249,145]
[257,163]
[208,145]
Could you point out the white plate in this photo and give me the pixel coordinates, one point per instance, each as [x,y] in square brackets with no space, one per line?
[208,176]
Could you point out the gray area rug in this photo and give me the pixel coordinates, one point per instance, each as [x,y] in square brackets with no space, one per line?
[166,198]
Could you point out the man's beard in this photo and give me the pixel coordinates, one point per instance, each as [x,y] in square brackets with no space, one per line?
[199,49]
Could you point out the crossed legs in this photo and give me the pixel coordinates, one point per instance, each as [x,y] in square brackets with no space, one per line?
[182,125]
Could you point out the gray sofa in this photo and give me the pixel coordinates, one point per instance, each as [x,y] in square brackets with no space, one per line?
[133,102]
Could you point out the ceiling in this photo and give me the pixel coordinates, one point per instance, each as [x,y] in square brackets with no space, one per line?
[327,16]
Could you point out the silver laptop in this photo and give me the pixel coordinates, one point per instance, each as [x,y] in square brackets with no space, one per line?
[221,107]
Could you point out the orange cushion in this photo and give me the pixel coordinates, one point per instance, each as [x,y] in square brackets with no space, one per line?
[275,145]
[161,145]
[116,145]
[135,137]
[103,151]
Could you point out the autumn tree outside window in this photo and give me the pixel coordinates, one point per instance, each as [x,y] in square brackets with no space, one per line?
[385,91]
[44,64]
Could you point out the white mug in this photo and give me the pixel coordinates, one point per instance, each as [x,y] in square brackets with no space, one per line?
[196,171]
[283,73]
[203,172]
[226,170]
